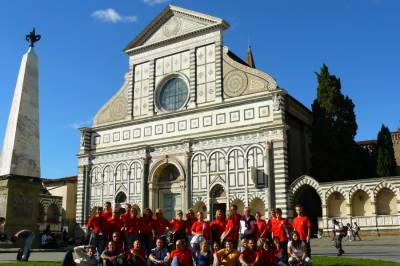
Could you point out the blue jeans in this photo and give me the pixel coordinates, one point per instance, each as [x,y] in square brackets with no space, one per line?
[98,241]
[27,246]
[175,262]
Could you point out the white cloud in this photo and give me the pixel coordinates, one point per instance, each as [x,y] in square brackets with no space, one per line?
[112,16]
[154,2]
[79,124]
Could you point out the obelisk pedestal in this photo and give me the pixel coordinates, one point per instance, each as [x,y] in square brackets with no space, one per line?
[20,183]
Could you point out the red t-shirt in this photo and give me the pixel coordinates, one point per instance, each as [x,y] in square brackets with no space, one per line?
[278,228]
[177,225]
[132,225]
[261,228]
[146,225]
[269,256]
[249,256]
[107,215]
[202,228]
[189,224]
[218,226]
[114,225]
[125,216]
[97,224]
[160,225]
[237,218]
[301,225]
[184,256]
[234,235]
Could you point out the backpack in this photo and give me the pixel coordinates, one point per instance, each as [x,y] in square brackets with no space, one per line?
[345,228]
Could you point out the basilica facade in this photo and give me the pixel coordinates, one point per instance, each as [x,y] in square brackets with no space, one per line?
[193,126]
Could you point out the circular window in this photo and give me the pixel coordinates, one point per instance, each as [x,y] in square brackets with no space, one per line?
[173,94]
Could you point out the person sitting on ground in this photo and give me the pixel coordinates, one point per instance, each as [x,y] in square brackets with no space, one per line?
[250,256]
[3,236]
[279,252]
[159,254]
[297,251]
[85,256]
[111,256]
[203,255]
[216,247]
[119,243]
[137,255]
[267,254]
[24,238]
[229,256]
[181,256]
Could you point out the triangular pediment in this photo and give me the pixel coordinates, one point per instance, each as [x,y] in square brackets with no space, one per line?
[174,22]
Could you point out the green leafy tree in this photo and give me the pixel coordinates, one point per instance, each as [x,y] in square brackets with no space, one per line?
[385,160]
[335,154]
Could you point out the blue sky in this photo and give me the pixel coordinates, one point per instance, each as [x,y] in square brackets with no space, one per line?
[82,64]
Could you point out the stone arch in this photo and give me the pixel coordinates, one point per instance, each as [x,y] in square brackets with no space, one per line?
[120,198]
[337,189]
[160,163]
[386,202]
[362,187]
[235,148]
[361,203]
[238,200]
[336,204]
[109,177]
[96,174]
[215,151]
[218,198]
[305,180]
[385,184]
[246,152]
[257,205]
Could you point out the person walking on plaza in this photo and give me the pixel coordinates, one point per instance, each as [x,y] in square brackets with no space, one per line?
[297,251]
[349,232]
[302,225]
[338,235]
[24,238]
[356,231]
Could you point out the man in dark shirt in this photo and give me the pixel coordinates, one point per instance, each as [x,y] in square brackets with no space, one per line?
[249,231]
[159,254]
[24,239]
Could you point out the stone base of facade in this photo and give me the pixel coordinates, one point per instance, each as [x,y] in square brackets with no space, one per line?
[19,202]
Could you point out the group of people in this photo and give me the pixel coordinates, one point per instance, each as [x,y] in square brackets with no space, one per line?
[121,237]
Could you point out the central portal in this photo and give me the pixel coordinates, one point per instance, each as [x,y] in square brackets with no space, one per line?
[167,188]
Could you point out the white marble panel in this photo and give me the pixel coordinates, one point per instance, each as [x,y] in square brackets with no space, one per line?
[201,74]
[201,93]
[138,89]
[145,71]
[138,187]
[167,65]
[159,67]
[210,72]
[210,91]
[210,53]
[176,62]
[132,188]
[203,181]
[185,60]
[138,72]
[145,88]
[201,55]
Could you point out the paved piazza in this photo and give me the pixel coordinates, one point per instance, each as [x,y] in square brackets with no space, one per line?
[384,248]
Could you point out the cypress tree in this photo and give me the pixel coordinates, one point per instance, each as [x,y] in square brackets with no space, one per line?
[385,160]
[335,154]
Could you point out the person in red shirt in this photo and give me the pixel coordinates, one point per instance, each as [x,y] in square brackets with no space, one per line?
[272,216]
[161,225]
[107,213]
[218,226]
[280,228]
[230,233]
[178,226]
[261,227]
[114,224]
[200,230]
[250,256]
[181,255]
[119,244]
[236,217]
[267,254]
[127,213]
[146,230]
[302,225]
[190,219]
[97,225]
[132,225]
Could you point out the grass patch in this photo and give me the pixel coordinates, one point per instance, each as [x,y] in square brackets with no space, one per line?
[341,261]
[32,263]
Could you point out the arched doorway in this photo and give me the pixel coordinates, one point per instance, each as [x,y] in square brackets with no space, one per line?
[312,206]
[120,199]
[166,186]
[217,200]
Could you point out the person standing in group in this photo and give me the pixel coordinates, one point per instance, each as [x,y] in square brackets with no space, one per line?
[132,225]
[248,225]
[24,238]
[201,231]
[190,220]
[262,229]
[302,225]
[217,226]
[230,233]
[178,226]
[280,228]
[356,231]
[236,216]
[146,229]
[272,216]
[114,224]
[161,225]
[108,211]
[338,236]
[97,229]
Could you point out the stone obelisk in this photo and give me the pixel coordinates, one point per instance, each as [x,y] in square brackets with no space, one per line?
[20,183]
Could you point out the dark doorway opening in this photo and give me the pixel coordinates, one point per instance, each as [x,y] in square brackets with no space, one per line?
[217,206]
[312,206]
